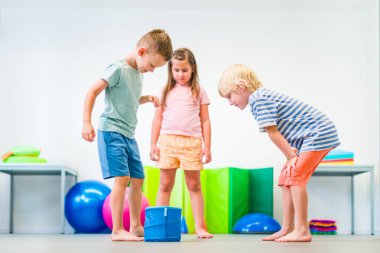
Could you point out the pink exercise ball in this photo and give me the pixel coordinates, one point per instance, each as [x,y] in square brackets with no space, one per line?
[107,215]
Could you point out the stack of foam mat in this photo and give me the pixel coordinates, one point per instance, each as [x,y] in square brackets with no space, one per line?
[322,227]
[23,154]
[338,157]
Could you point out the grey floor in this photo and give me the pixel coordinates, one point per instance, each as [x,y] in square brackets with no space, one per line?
[221,243]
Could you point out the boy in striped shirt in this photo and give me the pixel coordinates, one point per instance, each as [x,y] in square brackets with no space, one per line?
[302,133]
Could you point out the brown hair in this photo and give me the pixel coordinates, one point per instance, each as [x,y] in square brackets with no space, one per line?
[182,54]
[157,41]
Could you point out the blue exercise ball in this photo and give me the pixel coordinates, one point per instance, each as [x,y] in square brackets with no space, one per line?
[256,223]
[83,206]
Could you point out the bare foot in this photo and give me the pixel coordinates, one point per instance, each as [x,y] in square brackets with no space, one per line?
[137,231]
[276,235]
[123,235]
[296,236]
[203,234]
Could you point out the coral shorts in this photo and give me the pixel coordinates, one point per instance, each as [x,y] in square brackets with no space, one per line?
[306,164]
[179,151]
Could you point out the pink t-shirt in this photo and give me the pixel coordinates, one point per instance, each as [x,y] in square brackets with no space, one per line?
[181,115]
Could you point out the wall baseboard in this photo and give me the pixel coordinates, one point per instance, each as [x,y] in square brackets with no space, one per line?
[57,230]
[34,230]
[357,231]
[4,230]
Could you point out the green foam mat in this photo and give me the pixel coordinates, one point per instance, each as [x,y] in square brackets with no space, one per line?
[229,193]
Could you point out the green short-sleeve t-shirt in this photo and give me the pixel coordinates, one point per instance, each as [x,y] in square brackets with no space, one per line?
[122,99]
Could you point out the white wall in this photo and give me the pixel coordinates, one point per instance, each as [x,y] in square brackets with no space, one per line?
[326,57]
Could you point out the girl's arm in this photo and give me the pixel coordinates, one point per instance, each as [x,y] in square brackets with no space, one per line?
[156,127]
[206,133]
[88,132]
[149,98]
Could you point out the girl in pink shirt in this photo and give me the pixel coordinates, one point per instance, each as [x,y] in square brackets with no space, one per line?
[179,126]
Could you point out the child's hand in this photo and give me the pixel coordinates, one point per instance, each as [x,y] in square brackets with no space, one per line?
[88,132]
[206,155]
[155,100]
[290,163]
[154,153]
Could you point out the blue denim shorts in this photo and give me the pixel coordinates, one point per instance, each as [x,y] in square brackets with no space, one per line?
[119,156]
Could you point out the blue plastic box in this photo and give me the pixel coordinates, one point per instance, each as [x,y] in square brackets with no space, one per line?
[162,224]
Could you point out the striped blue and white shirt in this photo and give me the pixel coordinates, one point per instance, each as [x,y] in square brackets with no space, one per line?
[302,125]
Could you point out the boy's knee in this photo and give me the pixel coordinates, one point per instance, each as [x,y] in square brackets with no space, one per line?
[122,181]
[136,183]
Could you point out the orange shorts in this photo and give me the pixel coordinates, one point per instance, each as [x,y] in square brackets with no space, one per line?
[306,164]
[179,151]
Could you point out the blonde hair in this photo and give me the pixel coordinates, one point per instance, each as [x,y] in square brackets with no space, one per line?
[157,41]
[182,54]
[235,75]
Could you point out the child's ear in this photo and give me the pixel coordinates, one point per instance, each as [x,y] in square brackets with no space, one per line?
[141,51]
[241,86]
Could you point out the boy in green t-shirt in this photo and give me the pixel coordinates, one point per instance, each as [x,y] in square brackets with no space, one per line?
[118,151]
